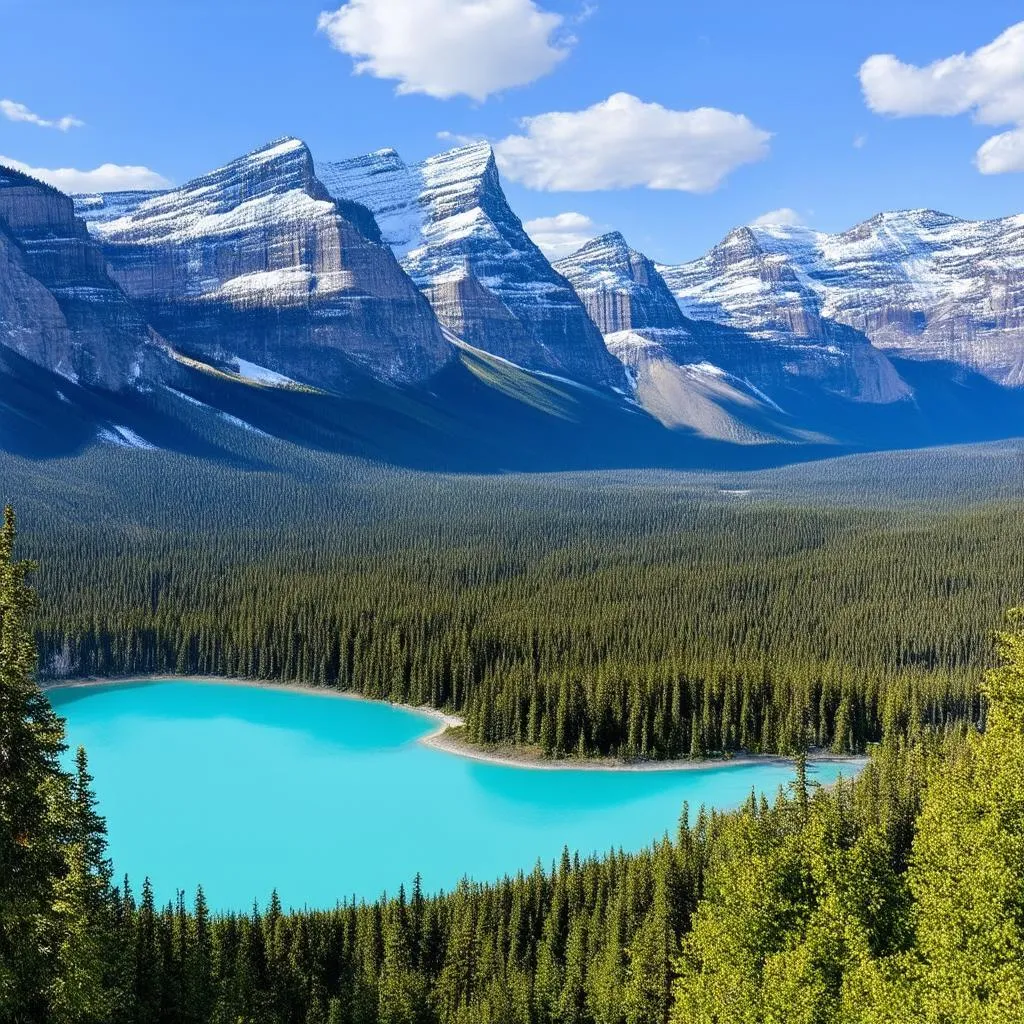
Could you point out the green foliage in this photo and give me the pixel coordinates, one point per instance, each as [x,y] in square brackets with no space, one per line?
[819,919]
[578,617]
[967,869]
[638,621]
[54,879]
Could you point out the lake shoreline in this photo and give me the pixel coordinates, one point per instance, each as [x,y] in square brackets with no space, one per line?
[443,739]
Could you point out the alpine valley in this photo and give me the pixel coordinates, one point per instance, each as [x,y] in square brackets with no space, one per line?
[401,313]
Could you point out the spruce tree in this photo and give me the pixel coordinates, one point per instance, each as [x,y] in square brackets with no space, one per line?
[54,881]
[967,870]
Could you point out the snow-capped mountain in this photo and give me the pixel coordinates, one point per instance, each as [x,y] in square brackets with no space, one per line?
[665,355]
[451,226]
[919,284]
[717,381]
[256,261]
[370,304]
[59,307]
[621,288]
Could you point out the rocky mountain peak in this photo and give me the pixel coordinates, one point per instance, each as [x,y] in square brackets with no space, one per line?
[461,178]
[621,287]
[257,260]
[58,306]
[263,176]
[920,284]
[449,222]
[607,248]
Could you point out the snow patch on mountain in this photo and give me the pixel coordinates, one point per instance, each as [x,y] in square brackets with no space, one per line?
[235,421]
[104,206]
[448,221]
[260,374]
[917,283]
[124,437]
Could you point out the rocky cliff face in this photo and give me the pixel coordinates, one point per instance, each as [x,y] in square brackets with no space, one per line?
[629,299]
[773,328]
[58,306]
[258,262]
[918,284]
[450,224]
[674,365]
[620,287]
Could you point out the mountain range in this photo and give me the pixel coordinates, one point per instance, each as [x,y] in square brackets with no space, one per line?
[401,312]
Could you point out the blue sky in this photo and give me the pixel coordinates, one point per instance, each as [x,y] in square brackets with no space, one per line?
[180,86]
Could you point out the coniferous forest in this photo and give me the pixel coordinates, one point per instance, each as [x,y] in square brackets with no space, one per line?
[897,897]
[626,615]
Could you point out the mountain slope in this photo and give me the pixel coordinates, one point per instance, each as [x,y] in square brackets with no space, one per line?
[674,365]
[919,284]
[59,308]
[257,263]
[449,222]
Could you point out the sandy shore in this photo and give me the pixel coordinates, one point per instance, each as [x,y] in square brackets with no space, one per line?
[527,757]
[446,736]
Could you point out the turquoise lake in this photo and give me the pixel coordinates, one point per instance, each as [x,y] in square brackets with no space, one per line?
[245,789]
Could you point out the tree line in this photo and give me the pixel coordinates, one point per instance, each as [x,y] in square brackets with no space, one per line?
[640,620]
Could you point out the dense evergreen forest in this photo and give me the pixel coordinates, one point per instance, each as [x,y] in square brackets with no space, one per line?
[895,898]
[650,616]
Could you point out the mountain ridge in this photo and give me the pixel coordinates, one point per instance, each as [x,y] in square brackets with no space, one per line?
[456,236]
[920,284]
[398,287]
[256,260]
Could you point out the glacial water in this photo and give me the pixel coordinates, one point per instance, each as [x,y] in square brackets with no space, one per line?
[245,789]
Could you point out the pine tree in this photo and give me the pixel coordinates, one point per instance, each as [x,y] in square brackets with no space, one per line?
[54,880]
[31,782]
[967,872]
[82,990]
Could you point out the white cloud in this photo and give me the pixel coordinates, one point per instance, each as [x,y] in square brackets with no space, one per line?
[19,112]
[457,139]
[623,142]
[784,217]
[988,84]
[445,48]
[1002,153]
[105,178]
[562,234]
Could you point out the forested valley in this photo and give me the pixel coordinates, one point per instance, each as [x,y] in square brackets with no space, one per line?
[632,616]
[897,897]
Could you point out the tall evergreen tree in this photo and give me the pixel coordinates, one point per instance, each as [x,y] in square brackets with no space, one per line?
[53,878]
[967,870]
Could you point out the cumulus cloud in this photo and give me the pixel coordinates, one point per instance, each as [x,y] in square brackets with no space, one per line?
[457,139]
[1002,153]
[988,84]
[447,48]
[623,142]
[105,178]
[784,217]
[561,234]
[19,112]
